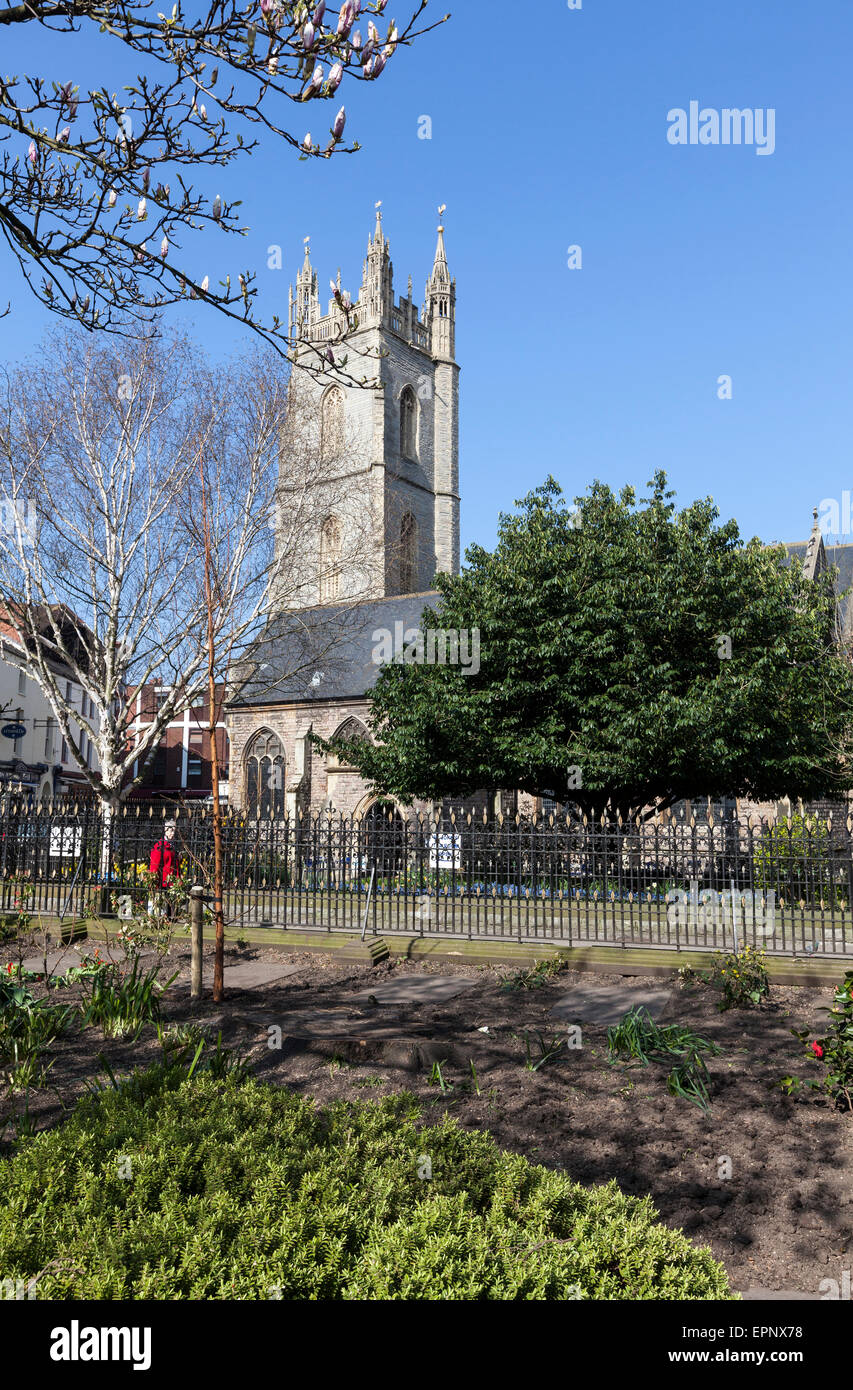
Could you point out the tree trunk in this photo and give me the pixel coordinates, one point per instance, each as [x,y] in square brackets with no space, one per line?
[218,884]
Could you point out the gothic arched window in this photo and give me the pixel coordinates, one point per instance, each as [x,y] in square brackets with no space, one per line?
[351,728]
[408,424]
[332,423]
[408,554]
[265,775]
[330,559]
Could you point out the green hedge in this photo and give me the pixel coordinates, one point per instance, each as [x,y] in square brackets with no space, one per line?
[248,1191]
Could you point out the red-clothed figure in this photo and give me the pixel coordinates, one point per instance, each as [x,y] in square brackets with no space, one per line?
[164,860]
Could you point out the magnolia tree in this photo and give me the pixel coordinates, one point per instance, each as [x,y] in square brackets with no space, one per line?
[139,544]
[95,195]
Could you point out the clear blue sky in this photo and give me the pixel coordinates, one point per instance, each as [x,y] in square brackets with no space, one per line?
[549,128]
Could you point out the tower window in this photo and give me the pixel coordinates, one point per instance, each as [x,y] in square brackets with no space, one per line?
[408,424]
[408,554]
[330,559]
[332,423]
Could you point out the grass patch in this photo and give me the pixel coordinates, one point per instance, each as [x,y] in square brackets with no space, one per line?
[638,1038]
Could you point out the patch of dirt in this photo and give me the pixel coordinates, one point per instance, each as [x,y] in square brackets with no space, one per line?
[765,1181]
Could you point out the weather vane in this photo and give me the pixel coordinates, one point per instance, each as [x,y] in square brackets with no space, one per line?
[442,210]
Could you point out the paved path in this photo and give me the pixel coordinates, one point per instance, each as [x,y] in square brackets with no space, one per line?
[757,1294]
[416,989]
[607,1004]
[249,974]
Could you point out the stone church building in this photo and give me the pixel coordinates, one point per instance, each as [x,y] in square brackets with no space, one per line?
[385,521]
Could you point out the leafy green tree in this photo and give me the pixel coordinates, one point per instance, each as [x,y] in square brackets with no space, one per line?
[630,655]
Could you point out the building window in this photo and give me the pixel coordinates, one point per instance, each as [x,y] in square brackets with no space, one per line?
[408,424]
[332,423]
[48,740]
[351,728]
[330,559]
[265,775]
[63,757]
[22,682]
[157,767]
[194,760]
[408,554]
[69,691]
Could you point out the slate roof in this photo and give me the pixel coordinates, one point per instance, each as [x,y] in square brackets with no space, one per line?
[842,556]
[326,653]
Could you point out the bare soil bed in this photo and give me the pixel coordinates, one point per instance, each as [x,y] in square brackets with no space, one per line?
[782,1220]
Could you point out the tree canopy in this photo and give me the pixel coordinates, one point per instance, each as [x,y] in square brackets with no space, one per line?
[630,655]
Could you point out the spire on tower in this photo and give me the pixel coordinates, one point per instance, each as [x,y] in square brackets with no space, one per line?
[306,302]
[441,298]
[377,292]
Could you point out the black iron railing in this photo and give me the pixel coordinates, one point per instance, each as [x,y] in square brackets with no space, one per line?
[786,886]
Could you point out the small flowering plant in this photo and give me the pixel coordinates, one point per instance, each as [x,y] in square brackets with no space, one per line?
[741,976]
[834,1051]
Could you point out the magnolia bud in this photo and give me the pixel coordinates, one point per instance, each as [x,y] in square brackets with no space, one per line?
[32,152]
[308,36]
[318,14]
[141,210]
[205,282]
[336,73]
[217,207]
[378,64]
[340,122]
[63,135]
[164,247]
[111,200]
[306,143]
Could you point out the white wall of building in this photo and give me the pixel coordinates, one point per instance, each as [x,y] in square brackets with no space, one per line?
[22,700]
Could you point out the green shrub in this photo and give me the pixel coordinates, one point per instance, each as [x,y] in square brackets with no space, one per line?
[535,976]
[834,1051]
[28,1026]
[248,1191]
[741,976]
[797,862]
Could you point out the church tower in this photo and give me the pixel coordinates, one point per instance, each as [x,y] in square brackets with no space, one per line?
[386,513]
